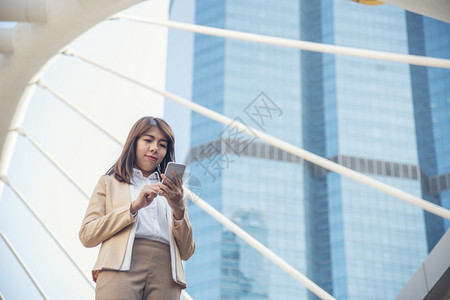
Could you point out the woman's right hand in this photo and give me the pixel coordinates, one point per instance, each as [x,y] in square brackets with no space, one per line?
[146,196]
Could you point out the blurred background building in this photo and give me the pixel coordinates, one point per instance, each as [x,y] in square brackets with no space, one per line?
[387,120]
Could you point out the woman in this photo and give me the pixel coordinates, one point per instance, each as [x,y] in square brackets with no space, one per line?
[143,224]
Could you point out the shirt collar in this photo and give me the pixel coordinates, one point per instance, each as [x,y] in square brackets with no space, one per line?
[137,174]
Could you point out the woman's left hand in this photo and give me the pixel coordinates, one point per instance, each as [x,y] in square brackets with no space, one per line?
[173,192]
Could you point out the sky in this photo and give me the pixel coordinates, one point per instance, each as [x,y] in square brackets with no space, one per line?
[82,151]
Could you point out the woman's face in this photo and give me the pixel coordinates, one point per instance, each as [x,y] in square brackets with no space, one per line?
[151,149]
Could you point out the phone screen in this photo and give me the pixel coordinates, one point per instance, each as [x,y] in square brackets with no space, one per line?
[177,167]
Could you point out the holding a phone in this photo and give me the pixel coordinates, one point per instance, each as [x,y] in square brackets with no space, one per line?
[143,245]
[171,189]
[177,167]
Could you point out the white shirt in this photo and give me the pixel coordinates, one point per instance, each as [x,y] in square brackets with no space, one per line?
[146,226]
[152,222]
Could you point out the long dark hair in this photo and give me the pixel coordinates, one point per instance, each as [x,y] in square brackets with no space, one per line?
[123,168]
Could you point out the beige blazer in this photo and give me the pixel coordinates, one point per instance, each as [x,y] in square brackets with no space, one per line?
[108,221]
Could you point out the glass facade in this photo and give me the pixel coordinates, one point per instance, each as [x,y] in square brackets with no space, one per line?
[387,120]
[431,95]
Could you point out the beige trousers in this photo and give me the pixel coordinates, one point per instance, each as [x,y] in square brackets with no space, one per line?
[149,277]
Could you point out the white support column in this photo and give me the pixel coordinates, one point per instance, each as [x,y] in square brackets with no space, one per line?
[280,144]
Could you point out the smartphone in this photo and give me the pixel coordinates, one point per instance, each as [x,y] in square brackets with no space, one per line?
[178,168]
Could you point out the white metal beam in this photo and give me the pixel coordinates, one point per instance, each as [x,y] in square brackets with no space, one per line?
[42,84]
[290,43]
[22,264]
[47,156]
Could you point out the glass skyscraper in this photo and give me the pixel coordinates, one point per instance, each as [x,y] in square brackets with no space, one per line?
[387,120]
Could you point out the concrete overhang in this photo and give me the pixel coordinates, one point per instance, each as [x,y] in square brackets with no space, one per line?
[432,279]
[436,9]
